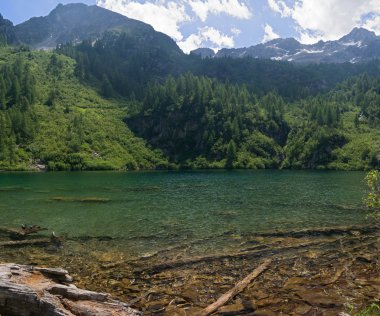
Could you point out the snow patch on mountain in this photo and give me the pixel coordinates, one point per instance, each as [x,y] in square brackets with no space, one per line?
[357,46]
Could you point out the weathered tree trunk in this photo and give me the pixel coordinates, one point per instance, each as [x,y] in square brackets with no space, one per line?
[27,291]
[21,233]
[27,242]
[239,287]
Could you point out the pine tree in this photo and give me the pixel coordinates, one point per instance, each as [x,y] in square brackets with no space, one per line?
[231,154]
[15,91]
[3,104]
[107,89]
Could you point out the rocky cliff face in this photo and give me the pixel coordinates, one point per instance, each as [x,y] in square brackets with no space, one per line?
[7,32]
[78,22]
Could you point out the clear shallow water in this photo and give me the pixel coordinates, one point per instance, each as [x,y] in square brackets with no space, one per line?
[156,210]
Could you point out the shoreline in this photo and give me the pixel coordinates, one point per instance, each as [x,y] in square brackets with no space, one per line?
[312,271]
[177,170]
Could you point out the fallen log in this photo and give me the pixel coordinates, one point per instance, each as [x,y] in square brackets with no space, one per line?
[23,232]
[239,287]
[137,299]
[25,291]
[28,230]
[60,275]
[28,242]
[339,272]
[329,231]
[250,254]
[54,240]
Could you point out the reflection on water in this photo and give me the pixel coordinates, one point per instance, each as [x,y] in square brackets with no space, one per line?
[138,214]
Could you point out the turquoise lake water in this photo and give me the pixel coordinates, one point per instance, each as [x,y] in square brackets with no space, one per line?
[155,210]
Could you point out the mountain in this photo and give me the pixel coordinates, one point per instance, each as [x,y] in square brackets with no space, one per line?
[358,46]
[49,118]
[77,22]
[120,57]
[116,94]
[114,52]
[7,32]
[203,52]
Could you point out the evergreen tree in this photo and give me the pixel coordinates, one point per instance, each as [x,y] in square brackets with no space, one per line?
[107,90]
[231,154]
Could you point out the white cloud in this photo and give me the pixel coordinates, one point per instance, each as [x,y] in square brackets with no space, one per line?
[373,24]
[207,35]
[164,16]
[194,41]
[269,34]
[329,19]
[280,6]
[235,31]
[234,8]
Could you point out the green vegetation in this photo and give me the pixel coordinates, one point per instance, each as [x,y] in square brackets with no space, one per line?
[126,64]
[372,200]
[200,123]
[7,34]
[121,63]
[17,119]
[48,117]
[372,310]
[123,104]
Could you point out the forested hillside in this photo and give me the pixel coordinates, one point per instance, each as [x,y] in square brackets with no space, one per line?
[47,117]
[129,63]
[54,115]
[201,123]
[132,100]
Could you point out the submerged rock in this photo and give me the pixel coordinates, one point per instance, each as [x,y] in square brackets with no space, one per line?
[319,298]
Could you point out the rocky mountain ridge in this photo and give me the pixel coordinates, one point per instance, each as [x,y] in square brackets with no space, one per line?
[357,46]
[73,23]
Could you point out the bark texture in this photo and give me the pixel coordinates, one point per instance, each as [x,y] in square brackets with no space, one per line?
[30,291]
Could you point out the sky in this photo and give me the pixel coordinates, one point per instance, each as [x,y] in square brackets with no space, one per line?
[228,23]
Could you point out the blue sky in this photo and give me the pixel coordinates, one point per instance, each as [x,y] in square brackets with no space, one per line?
[228,23]
[21,10]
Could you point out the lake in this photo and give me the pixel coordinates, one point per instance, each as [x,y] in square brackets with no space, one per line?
[148,211]
[154,238]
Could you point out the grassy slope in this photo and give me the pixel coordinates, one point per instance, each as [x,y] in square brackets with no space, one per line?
[80,129]
[363,145]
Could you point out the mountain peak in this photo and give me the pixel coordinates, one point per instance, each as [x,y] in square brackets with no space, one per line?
[357,46]
[285,43]
[75,22]
[69,6]
[203,52]
[7,34]
[359,34]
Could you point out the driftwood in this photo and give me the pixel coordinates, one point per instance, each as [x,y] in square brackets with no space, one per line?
[339,230]
[54,240]
[333,236]
[137,299]
[251,253]
[239,287]
[339,272]
[26,291]
[28,242]
[21,233]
